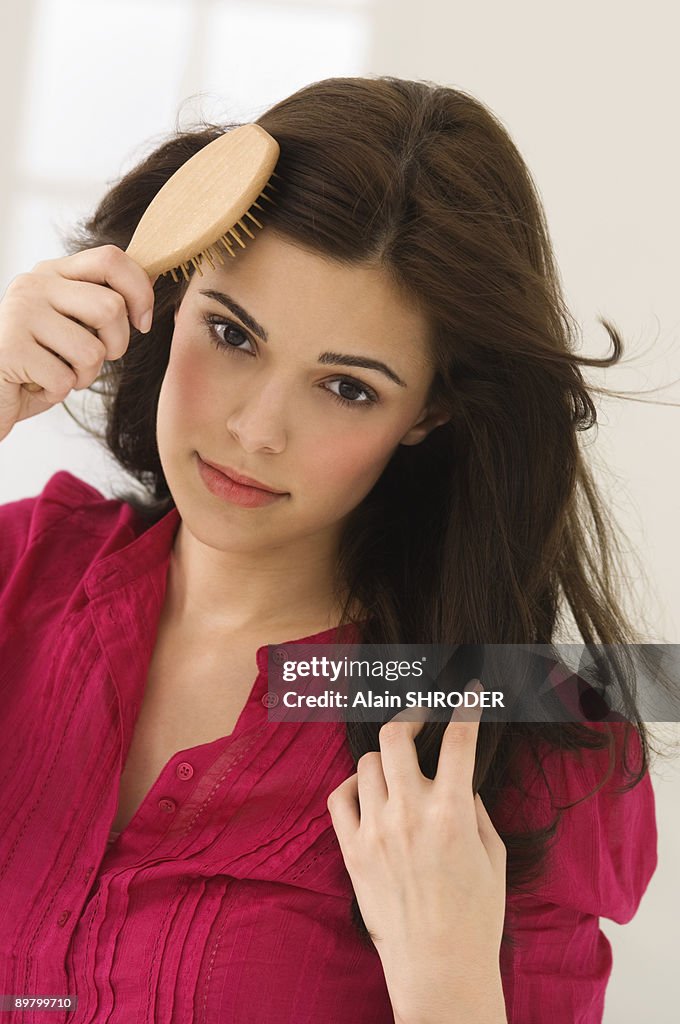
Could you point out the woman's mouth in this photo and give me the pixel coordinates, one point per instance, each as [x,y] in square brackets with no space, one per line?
[222,486]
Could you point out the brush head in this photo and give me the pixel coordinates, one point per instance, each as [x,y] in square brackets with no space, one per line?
[204,202]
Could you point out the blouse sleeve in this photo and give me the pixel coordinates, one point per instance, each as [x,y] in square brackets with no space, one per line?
[24,521]
[15,525]
[601,860]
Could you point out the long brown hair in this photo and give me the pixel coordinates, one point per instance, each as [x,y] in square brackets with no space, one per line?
[490,527]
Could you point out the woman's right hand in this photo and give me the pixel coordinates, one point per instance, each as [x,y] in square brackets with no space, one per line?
[59,323]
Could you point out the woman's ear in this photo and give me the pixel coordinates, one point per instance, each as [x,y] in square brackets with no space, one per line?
[428,421]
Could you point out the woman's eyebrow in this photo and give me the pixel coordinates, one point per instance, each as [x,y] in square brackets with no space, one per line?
[336,358]
[339,359]
[239,311]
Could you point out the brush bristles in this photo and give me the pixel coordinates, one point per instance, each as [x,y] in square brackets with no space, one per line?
[244,227]
[254,219]
[211,251]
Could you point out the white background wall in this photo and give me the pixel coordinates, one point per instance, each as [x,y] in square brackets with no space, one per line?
[589,93]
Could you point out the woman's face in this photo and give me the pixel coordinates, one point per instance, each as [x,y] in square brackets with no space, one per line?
[284,411]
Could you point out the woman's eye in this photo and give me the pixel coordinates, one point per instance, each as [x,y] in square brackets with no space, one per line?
[215,323]
[370,396]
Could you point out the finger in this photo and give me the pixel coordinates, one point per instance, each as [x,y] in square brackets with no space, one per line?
[343,807]
[111,266]
[473,713]
[400,766]
[72,341]
[372,787]
[456,763]
[98,310]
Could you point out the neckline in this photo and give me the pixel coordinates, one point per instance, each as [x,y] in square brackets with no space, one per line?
[354,630]
[251,712]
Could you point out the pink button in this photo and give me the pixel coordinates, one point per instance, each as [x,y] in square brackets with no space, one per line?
[184,770]
[63,918]
[167,805]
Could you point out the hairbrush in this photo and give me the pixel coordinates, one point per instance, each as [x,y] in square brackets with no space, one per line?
[203,203]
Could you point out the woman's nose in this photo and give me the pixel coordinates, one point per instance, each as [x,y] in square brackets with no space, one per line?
[258,421]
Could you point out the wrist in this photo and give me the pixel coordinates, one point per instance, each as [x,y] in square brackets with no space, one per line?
[480,1000]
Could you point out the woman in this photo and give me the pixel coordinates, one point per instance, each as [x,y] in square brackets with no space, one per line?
[433,491]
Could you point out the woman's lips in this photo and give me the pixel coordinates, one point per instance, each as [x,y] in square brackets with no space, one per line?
[222,486]
[241,478]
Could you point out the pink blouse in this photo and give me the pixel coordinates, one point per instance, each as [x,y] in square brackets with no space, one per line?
[226,898]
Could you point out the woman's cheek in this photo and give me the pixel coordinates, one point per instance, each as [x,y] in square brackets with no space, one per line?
[350,463]
[191,381]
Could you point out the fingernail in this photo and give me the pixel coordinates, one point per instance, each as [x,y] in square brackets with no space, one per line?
[145,321]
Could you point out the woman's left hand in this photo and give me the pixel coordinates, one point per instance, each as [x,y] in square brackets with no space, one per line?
[428,870]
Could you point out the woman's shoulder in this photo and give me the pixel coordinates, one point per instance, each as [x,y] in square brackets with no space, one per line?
[62,494]
[67,509]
